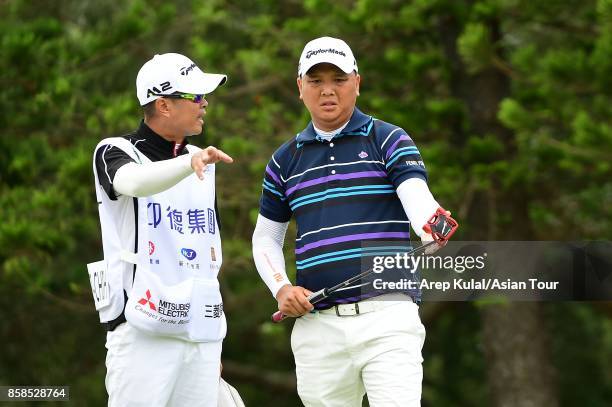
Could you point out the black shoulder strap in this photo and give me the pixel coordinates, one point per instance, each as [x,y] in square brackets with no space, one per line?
[217,213]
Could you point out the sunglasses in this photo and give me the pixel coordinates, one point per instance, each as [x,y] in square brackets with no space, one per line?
[189,96]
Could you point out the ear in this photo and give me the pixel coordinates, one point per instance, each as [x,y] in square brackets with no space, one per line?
[163,107]
[357,82]
[299,85]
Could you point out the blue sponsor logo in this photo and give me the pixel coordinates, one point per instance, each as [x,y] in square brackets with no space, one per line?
[188,253]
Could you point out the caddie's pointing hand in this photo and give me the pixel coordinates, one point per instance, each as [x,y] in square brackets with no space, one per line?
[209,155]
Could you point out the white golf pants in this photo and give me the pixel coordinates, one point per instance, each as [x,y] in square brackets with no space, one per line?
[146,370]
[338,359]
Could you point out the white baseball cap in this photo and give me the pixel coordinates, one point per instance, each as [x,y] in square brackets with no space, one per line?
[166,74]
[327,50]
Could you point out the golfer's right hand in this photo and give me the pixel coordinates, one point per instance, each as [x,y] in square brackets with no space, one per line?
[209,155]
[293,301]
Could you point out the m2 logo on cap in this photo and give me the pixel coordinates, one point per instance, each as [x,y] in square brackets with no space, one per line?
[189,254]
[165,86]
[186,69]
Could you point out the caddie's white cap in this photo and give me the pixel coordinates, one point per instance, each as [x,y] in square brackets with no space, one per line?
[169,73]
[329,50]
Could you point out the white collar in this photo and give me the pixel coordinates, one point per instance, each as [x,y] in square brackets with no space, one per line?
[328,135]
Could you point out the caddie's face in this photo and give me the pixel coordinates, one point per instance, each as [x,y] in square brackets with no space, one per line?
[329,94]
[186,117]
[183,117]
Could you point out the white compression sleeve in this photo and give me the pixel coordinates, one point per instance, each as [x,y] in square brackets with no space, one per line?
[418,202]
[268,239]
[141,180]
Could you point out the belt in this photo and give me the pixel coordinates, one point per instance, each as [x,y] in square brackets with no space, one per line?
[365,306]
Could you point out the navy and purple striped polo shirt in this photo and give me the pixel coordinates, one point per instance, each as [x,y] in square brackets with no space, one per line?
[342,195]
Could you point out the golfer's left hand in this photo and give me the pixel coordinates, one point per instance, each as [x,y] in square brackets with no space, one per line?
[426,238]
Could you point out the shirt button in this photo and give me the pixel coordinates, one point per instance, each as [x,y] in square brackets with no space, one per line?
[332,158]
[331,144]
[333,172]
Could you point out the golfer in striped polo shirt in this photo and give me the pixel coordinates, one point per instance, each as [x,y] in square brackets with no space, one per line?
[354,185]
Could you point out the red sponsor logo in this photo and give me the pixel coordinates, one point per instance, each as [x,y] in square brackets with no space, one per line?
[151,248]
[144,301]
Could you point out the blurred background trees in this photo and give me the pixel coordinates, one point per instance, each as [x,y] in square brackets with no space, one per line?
[509,102]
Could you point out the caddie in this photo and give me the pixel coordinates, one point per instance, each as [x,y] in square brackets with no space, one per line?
[156,290]
[354,184]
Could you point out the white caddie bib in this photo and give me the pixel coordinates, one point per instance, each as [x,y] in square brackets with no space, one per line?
[112,277]
[99,284]
[175,291]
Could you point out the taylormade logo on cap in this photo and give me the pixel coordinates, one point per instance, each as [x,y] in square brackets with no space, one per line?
[327,50]
[318,51]
[185,70]
[169,73]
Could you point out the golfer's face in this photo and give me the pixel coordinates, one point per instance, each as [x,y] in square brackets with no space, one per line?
[329,95]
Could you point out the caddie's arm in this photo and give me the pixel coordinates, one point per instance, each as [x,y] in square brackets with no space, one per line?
[140,180]
[268,240]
